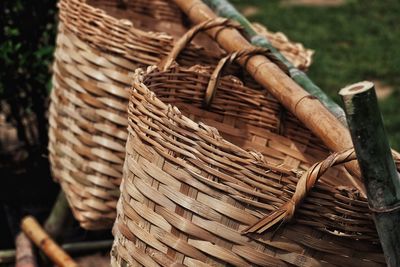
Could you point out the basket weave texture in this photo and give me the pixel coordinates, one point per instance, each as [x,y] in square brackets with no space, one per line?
[195,179]
[94,57]
[99,44]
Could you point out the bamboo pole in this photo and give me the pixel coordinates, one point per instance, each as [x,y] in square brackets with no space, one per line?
[88,246]
[376,163]
[307,108]
[225,9]
[8,256]
[36,233]
[60,212]
[24,255]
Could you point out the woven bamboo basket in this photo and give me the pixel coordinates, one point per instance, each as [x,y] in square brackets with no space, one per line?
[214,169]
[99,44]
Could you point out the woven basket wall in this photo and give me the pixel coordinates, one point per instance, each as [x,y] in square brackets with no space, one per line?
[99,44]
[194,179]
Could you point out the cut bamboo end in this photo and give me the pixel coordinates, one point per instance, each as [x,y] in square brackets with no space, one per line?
[356,88]
[377,166]
[35,232]
[24,256]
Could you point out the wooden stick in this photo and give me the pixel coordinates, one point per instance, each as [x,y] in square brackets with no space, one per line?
[36,233]
[24,255]
[88,246]
[226,9]
[307,108]
[7,256]
[376,163]
[60,212]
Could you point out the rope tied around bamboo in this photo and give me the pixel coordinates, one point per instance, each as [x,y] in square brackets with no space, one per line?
[305,184]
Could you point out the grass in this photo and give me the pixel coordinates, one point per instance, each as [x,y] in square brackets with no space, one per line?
[353,42]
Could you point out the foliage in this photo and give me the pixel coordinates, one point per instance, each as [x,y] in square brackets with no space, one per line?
[28,30]
[26,48]
[353,42]
[27,39]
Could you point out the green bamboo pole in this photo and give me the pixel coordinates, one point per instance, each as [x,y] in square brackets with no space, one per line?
[225,9]
[381,178]
[60,212]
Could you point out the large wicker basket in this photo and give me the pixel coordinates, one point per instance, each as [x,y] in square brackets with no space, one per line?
[99,44]
[205,186]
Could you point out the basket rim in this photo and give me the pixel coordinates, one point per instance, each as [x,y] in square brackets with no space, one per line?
[85,7]
[173,112]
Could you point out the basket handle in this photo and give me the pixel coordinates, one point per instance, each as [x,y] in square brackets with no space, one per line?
[307,181]
[190,34]
[227,60]
[223,63]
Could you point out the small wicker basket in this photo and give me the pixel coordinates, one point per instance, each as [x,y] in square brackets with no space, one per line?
[212,163]
[99,44]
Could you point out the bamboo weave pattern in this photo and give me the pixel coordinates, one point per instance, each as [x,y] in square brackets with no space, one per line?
[195,179]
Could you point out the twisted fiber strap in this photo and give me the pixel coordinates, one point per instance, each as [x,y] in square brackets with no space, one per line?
[184,41]
[303,188]
[237,55]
